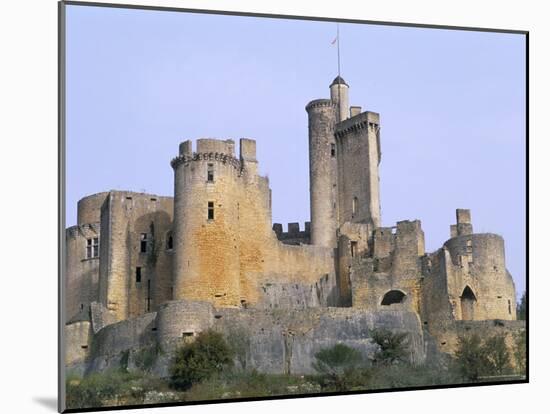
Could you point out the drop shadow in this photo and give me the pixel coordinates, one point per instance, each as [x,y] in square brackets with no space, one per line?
[48,402]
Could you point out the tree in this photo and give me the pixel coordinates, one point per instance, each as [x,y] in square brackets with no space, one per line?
[520,351]
[497,357]
[392,347]
[338,366]
[470,357]
[199,360]
[522,308]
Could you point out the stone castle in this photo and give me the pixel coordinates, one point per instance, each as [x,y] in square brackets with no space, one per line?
[145,270]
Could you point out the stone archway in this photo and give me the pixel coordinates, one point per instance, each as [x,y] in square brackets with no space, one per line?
[467,304]
[392,297]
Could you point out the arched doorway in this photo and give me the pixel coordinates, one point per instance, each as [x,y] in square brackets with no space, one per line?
[393,296]
[467,304]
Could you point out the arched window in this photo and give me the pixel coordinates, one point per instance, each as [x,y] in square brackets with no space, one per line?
[467,304]
[393,296]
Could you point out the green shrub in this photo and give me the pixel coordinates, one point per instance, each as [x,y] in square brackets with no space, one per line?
[339,367]
[195,362]
[392,347]
[406,375]
[144,358]
[520,351]
[476,358]
[100,389]
[497,357]
[522,308]
[470,357]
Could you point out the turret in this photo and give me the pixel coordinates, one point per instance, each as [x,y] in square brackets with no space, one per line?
[323,178]
[339,95]
[206,211]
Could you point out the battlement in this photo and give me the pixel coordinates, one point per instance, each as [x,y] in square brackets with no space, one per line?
[210,149]
[408,226]
[321,103]
[357,122]
[293,235]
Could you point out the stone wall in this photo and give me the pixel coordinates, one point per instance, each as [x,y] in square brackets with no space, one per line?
[125,216]
[89,208]
[225,259]
[273,341]
[82,273]
[447,333]
[478,263]
[78,337]
[294,235]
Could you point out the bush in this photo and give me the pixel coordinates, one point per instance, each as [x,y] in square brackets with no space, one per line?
[406,375]
[144,358]
[195,362]
[520,351]
[476,359]
[497,357]
[522,308]
[339,367]
[470,357]
[100,389]
[392,347]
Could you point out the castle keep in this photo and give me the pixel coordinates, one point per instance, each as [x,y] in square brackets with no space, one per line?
[143,269]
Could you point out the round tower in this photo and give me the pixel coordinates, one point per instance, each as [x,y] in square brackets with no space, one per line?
[480,282]
[206,257]
[322,172]
[339,94]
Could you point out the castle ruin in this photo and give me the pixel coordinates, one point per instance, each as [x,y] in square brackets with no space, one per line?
[143,269]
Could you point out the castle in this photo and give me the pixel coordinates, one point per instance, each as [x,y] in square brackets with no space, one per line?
[143,269]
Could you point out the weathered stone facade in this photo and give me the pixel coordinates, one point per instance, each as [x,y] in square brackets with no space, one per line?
[145,270]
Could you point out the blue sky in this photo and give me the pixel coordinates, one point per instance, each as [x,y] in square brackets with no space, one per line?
[451,105]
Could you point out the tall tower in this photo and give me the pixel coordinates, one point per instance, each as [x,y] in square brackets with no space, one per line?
[358,154]
[324,115]
[206,213]
[323,180]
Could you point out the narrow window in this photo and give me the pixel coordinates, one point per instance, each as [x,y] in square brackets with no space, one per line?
[170,242]
[149,295]
[333,150]
[210,173]
[353,248]
[210,210]
[95,247]
[138,274]
[88,248]
[143,243]
[509,307]
[354,206]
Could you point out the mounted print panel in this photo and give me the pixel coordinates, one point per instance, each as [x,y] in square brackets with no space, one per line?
[276,206]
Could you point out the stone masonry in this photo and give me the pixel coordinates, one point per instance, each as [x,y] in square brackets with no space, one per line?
[144,270]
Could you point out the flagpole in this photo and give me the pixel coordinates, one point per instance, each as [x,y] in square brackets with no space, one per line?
[339,87]
[338,45]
